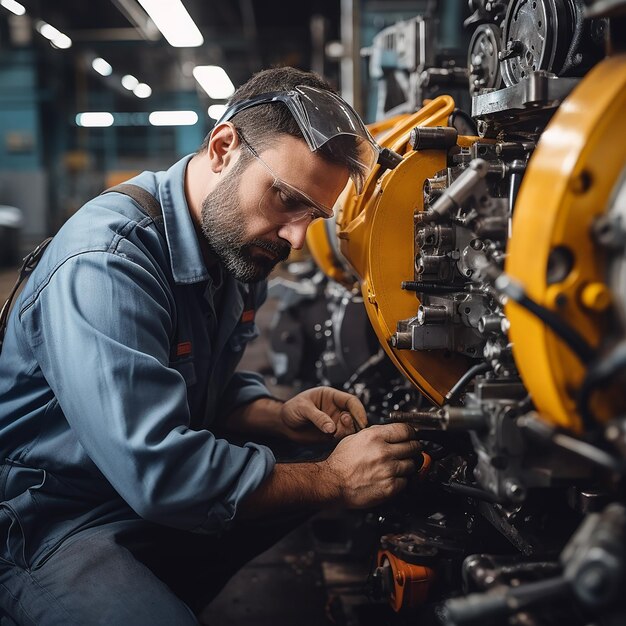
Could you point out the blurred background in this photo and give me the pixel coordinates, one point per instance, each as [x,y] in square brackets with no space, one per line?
[92,93]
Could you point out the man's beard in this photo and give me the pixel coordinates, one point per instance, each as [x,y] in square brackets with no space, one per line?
[223,226]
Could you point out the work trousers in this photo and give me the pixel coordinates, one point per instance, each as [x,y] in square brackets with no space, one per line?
[131,573]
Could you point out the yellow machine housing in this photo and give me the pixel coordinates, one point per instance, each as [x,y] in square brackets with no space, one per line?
[568,184]
[376,236]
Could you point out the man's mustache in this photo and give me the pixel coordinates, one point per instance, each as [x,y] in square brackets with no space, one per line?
[279,250]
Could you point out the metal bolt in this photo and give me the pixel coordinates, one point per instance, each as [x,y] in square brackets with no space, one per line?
[612,433]
[513,49]
[596,297]
[514,490]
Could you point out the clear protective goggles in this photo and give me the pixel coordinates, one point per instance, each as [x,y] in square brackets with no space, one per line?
[322,116]
[283,203]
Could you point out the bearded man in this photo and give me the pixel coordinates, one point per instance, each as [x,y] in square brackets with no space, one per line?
[118,504]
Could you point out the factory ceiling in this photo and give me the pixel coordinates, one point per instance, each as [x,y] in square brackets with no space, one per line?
[242,36]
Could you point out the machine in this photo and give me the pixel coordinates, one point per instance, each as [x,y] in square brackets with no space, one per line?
[489,259]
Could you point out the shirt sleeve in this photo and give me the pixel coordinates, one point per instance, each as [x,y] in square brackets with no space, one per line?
[245,387]
[100,329]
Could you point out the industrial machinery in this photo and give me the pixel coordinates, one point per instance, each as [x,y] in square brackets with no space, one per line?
[491,267]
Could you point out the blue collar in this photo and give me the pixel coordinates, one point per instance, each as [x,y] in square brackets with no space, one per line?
[185,254]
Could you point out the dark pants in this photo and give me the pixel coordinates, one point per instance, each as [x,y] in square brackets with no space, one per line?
[132,573]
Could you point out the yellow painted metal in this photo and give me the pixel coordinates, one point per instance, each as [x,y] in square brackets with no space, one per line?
[323,253]
[568,183]
[353,219]
[377,238]
[318,234]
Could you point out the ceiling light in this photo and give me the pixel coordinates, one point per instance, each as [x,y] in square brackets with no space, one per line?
[142,90]
[53,35]
[14,7]
[173,118]
[129,82]
[216,111]
[62,42]
[214,80]
[101,66]
[95,119]
[175,24]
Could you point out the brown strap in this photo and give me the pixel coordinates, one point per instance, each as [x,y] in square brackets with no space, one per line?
[26,269]
[150,206]
[142,197]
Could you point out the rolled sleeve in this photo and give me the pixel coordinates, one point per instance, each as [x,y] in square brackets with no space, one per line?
[243,388]
[223,512]
[100,330]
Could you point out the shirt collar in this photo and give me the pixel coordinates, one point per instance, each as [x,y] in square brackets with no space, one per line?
[185,254]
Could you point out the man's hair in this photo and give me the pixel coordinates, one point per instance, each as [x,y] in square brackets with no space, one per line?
[260,125]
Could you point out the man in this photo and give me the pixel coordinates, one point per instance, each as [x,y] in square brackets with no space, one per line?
[119,504]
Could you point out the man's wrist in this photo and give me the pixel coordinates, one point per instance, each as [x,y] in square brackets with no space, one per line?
[295,486]
[332,483]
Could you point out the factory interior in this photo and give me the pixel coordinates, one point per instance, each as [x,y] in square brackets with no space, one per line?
[464,296]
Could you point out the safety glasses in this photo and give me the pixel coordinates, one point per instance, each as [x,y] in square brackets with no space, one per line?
[283,203]
[322,116]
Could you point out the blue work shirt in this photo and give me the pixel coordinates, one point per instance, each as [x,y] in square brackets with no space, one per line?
[120,353]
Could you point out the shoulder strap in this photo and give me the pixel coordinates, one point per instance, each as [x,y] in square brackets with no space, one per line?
[148,203]
[30,263]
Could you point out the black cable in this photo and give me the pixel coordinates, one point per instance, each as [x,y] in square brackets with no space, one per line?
[472,492]
[574,340]
[460,384]
[599,374]
[465,117]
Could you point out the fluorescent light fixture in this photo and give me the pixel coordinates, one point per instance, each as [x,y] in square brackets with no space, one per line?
[173,118]
[94,119]
[53,35]
[216,111]
[62,42]
[214,80]
[129,82]
[14,7]
[142,90]
[101,66]
[175,24]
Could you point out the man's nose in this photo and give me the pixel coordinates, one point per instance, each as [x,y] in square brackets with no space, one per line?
[294,233]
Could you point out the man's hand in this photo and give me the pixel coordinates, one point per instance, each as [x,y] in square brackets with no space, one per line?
[364,470]
[374,465]
[322,414]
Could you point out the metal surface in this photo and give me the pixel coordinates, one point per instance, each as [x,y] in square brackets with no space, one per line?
[376,230]
[537,89]
[532,34]
[483,58]
[616,275]
[568,184]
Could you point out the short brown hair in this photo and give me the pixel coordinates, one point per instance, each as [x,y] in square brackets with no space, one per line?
[260,124]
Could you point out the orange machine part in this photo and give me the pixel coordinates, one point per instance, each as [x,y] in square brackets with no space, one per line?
[411,583]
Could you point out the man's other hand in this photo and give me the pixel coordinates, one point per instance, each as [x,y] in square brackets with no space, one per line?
[322,414]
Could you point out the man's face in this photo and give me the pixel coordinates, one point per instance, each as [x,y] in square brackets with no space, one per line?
[238,218]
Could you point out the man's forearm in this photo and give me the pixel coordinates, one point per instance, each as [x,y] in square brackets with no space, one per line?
[365,469]
[294,486]
[260,417]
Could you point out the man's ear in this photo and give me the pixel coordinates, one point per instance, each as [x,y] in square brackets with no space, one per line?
[222,149]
